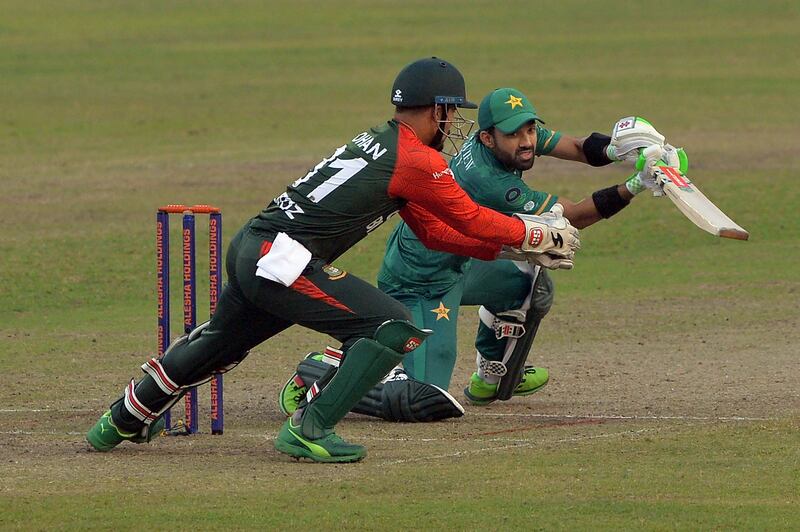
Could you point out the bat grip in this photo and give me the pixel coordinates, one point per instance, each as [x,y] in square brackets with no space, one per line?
[641,160]
[683,161]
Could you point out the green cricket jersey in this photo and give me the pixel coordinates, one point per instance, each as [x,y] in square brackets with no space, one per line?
[409,266]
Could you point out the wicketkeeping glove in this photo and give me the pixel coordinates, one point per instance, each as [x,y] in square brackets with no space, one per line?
[550,234]
[551,262]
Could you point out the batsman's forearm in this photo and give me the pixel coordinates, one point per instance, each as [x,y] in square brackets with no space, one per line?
[581,214]
[569,149]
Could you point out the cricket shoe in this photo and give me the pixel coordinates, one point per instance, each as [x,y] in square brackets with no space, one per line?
[480,393]
[330,448]
[294,390]
[104,435]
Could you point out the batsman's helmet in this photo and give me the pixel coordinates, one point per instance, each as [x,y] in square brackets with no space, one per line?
[430,81]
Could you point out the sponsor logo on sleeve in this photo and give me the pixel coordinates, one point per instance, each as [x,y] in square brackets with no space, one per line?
[446,171]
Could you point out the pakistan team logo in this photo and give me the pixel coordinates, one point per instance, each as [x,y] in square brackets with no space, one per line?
[334,273]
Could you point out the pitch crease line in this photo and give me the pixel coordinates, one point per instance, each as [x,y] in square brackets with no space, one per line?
[623,417]
[518,446]
[483,414]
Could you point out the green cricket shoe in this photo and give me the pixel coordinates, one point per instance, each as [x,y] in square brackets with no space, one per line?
[481,393]
[294,390]
[104,435]
[331,448]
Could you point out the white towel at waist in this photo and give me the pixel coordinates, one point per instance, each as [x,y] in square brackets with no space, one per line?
[285,260]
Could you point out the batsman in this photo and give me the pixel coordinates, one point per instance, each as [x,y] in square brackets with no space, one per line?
[513,296]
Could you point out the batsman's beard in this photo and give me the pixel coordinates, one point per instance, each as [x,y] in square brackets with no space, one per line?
[524,164]
[515,161]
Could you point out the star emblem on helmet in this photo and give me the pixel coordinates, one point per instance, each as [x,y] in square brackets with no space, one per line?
[513,101]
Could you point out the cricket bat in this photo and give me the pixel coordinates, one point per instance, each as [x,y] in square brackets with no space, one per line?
[695,205]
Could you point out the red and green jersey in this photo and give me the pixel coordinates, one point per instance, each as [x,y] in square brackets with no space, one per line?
[411,266]
[381,171]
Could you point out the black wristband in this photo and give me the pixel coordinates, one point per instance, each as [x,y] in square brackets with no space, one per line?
[594,148]
[609,202]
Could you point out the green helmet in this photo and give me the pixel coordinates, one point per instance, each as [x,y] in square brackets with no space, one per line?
[430,81]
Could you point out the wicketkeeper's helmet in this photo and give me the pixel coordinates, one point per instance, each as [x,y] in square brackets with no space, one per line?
[430,81]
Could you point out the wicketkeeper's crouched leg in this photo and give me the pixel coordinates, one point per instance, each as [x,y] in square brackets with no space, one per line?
[192,359]
[310,432]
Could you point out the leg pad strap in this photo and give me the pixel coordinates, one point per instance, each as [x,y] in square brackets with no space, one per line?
[513,328]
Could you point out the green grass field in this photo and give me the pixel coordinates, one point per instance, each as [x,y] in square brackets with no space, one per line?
[675,401]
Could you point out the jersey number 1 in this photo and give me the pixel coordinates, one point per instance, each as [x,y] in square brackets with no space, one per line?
[347,169]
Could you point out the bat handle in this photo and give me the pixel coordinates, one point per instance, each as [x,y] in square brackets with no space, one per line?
[643,157]
[683,161]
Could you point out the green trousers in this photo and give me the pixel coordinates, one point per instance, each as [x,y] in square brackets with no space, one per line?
[497,285]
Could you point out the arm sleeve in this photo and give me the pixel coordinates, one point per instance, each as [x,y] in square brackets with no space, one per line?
[430,183]
[546,140]
[437,235]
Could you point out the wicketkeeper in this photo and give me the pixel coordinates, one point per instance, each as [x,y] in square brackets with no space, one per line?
[513,296]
